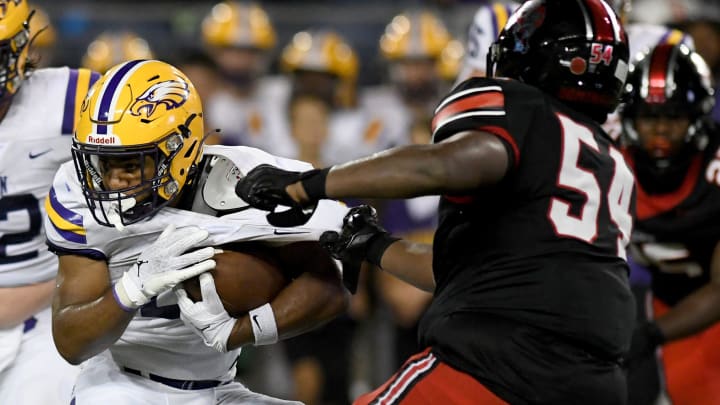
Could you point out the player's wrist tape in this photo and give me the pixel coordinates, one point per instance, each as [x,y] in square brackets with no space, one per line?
[313,182]
[377,247]
[263,324]
[121,297]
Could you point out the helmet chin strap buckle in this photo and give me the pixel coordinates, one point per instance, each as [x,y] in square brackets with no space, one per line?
[117,208]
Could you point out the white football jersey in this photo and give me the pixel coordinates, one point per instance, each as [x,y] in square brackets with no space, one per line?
[258,120]
[156,340]
[35,139]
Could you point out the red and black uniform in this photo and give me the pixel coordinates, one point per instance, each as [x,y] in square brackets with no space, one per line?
[676,233]
[532,295]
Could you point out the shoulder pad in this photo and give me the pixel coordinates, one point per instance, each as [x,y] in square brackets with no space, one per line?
[217,188]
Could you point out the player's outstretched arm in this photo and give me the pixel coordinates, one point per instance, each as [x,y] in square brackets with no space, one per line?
[691,315]
[363,239]
[312,299]
[462,162]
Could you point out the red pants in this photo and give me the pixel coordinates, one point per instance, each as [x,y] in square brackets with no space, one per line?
[692,365]
[424,379]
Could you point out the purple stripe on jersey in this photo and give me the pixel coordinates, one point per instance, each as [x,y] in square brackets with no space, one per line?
[496,29]
[91,253]
[70,216]
[69,110]
[664,38]
[70,236]
[104,112]
[94,76]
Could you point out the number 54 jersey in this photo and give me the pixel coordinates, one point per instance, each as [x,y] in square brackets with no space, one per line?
[35,138]
[545,246]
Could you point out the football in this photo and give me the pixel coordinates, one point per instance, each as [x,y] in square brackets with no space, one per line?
[244,280]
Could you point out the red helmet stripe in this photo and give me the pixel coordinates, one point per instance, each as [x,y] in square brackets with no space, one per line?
[607,28]
[657,75]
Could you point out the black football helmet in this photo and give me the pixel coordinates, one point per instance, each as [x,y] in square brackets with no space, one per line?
[668,81]
[574,50]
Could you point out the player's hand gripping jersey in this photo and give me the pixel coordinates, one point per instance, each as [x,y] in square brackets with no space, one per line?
[156,339]
[538,246]
[35,138]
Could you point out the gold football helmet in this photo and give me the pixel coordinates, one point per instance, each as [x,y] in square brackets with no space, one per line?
[325,53]
[238,25]
[111,48]
[14,38]
[450,60]
[320,51]
[147,114]
[414,35]
[42,31]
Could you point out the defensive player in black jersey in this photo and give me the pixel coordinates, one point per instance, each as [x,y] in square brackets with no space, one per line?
[531,300]
[673,149]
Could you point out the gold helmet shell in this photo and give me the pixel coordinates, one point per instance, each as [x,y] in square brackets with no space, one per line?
[412,35]
[14,39]
[41,29]
[138,109]
[111,48]
[320,51]
[238,25]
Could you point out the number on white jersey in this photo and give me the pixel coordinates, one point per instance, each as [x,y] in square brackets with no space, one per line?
[572,176]
[20,223]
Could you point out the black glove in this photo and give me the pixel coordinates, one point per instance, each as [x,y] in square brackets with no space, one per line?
[647,336]
[361,238]
[264,188]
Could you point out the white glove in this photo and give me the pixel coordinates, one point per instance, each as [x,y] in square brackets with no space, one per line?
[163,265]
[208,318]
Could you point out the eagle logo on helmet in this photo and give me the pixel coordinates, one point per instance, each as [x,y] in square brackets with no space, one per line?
[4,5]
[170,93]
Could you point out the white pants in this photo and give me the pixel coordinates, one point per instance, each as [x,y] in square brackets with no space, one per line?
[102,382]
[37,375]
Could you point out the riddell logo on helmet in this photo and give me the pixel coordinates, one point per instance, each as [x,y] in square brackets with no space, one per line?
[103,140]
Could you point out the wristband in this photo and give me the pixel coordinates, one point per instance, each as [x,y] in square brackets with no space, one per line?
[121,297]
[657,337]
[263,324]
[377,246]
[313,182]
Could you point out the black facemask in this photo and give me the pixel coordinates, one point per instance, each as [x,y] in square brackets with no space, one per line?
[660,176]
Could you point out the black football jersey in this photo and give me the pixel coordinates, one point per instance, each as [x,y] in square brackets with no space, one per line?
[676,232]
[546,246]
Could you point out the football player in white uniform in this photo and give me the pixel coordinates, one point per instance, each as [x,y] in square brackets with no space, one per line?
[139,167]
[240,37]
[487,23]
[37,116]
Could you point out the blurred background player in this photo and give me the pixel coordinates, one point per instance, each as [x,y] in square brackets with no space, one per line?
[411,47]
[42,48]
[323,65]
[673,147]
[110,48]
[37,118]
[240,37]
[642,37]
[487,23]
[702,23]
